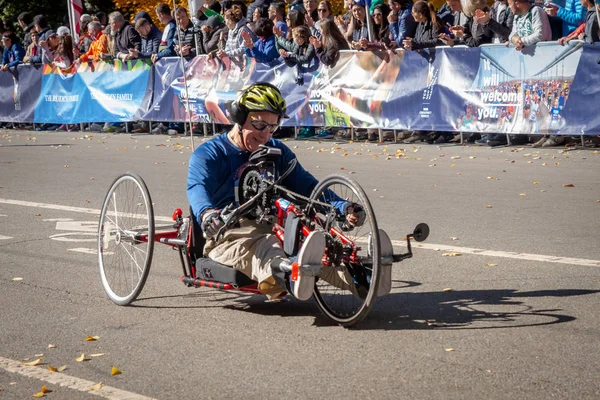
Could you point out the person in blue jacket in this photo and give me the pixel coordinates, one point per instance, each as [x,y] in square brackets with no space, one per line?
[264,50]
[572,14]
[402,23]
[215,167]
[166,48]
[13,52]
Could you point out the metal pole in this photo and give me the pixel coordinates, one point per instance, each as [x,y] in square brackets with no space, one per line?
[187,96]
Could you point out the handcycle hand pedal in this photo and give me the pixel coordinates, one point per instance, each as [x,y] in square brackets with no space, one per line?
[420,233]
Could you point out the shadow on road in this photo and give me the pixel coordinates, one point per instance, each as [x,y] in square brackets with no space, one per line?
[399,310]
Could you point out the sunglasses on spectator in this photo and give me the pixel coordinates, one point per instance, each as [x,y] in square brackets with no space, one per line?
[261,125]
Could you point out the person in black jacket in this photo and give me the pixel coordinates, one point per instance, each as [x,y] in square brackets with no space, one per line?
[151,37]
[472,34]
[126,36]
[499,20]
[332,41]
[429,27]
[25,21]
[212,31]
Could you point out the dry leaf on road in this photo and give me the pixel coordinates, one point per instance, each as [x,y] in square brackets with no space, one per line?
[446,290]
[568,185]
[61,369]
[451,254]
[97,386]
[449,349]
[491,265]
[33,363]
[91,338]
[81,358]
[115,371]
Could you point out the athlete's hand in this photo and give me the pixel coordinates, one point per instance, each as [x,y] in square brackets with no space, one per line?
[355,214]
[211,223]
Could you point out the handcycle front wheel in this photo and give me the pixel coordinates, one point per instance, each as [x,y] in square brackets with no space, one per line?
[345,292]
[125,238]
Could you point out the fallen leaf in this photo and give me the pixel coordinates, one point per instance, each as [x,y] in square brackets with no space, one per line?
[491,265]
[115,371]
[97,386]
[39,394]
[453,165]
[536,183]
[51,346]
[352,172]
[39,355]
[455,158]
[488,206]
[81,358]
[446,290]
[451,254]
[18,278]
[45,389]
[52,369]
[61,369]
[568,185]
[597,201]
[91,338]
[449,349]
[453,238]
[472,157]
[374,190]
[522,194]
[342,169]
[33,363]
[97,355]
[38,215]
[491,177]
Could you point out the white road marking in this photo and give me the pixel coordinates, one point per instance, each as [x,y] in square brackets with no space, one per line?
[65,208]
[503,254]
[5,237]
[85,250]
[71,382]
[57,219]
[429,246]
[3,215]
[64,237]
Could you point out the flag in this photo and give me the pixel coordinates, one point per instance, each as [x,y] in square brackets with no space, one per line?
[75,11]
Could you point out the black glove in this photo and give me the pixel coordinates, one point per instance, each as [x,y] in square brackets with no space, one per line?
[211,223]
[355,214]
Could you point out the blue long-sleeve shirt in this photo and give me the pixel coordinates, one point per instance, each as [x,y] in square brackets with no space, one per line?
[216,166]
[264,50]
[406,26]
[572,14]
[13,56]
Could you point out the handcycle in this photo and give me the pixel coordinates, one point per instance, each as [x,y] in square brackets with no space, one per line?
[127,233]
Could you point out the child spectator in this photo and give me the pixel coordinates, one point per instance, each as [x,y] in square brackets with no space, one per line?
[32,49]
[264,49]
[332,41]
[303,55]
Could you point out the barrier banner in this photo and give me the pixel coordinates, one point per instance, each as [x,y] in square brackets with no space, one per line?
[520,91]
[96,92]
[19,92]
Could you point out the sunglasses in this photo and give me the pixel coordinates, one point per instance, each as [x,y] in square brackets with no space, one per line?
[261,125]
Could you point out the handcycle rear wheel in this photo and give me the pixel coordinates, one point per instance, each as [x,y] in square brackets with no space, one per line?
[125,238]
[347,302]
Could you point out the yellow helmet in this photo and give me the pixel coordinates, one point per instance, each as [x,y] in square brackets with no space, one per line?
[260,96]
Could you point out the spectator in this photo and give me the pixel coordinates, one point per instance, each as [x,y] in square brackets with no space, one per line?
[208,9]
[572,14]
[85,40]
[25,20]
[303,55]
[32,49]
[402,23]
[41,25]
[146,16]
[471,33]
[102,18]
[573,35]
[85,18]
[499,20]
[212,31]
[63,31]
[264,49]
[332,41]
[429,27]
[187,34]
[239,8]
[99,45]
[63,57]
[325,11]
[297,5]
[260,4]
[311,9]
[167,41]
[590,34]
[446,14]
[13,52]
[357,27]
[260,12]
[277,15]
[530,24]
[381,24]
[49,48]
[234,47]
[150,40]
[126,37]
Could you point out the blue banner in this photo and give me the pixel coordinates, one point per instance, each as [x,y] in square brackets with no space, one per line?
[19,93]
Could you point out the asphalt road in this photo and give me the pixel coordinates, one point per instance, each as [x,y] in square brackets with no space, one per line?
[521,321]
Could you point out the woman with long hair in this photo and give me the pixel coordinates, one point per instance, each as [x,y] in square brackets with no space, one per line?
[357,27]
[381,24]
[331,42]
[63,57]
[429,27]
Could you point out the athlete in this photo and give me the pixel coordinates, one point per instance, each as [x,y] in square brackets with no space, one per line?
[250,248]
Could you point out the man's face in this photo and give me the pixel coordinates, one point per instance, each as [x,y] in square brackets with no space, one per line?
[182,19]
[394,6]
[144,30]
[114,25]
[310,5]
[253,137]
[34,37]
[454,5]
[272,13]
[512,4]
